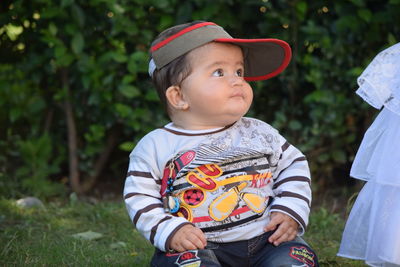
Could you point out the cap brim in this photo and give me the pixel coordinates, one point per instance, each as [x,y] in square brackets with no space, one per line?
[264,58]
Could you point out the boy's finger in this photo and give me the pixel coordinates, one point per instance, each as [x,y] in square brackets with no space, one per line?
[282,230]
[179,248]
[272,224]
[197,240]
[281,239]
[275,235]
[189,244]
[199,244]
[200,235]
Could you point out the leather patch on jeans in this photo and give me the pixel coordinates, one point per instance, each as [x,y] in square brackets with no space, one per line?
[188,259]
[302,254]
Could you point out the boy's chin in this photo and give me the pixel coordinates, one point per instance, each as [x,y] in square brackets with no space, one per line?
[228,121]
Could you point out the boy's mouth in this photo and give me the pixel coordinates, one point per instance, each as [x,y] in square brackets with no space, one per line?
[238,94]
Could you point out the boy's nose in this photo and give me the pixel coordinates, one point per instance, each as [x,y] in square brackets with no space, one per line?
[236,80]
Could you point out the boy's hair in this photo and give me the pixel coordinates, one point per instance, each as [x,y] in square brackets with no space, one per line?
[175,71]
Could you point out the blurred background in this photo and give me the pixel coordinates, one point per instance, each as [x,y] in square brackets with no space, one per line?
[75,96]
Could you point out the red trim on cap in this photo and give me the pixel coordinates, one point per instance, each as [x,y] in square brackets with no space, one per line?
[283,44]
[180,33]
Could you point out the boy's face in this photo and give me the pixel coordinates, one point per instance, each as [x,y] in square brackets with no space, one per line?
[215,90]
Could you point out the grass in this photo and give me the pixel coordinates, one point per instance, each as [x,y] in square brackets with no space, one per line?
[324,234]
[44,236]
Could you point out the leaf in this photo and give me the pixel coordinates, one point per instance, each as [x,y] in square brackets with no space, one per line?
[166,21]
[53,29]
[89,235]
[365,14]
[151,95]
[138,61]
[127,146]
[119,57]
[77,43]
[118,9]
[78,15]
[358,2]
[134,254]
[301,8]
[15,114]
[339,156]
[161,4]
[13,31]
[36,105]
[127,79]
[356,71]
[391,39]
[123,110]
[132,67]
[73,198]
[51,12]
[63,58]
[96,133]
[295,125]
[348,23]
[118,244]
[65,3]
[129,91]
[323,158]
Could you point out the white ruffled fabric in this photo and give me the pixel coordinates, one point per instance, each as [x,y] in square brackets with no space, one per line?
[380,81]
[372,231]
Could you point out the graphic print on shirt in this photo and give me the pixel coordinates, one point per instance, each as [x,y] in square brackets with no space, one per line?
[217,189]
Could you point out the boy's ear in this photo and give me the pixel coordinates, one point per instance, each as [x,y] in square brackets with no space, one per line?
[175,98]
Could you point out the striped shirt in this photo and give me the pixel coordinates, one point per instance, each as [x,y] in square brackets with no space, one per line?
[224,181]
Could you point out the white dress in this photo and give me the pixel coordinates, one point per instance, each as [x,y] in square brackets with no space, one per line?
[372,231]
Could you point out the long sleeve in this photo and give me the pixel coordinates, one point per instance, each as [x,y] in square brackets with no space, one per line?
[292,185]
[143,202]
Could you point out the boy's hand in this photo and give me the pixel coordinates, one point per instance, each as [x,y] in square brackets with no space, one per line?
[188,237]
[286,228]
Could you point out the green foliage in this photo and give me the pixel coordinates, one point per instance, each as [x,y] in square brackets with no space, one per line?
[93,54]
[37,167]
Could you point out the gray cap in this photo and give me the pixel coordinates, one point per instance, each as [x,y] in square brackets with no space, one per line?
[264,58]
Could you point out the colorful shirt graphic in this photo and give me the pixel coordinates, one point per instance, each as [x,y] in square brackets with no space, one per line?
[219,189]
[225,181]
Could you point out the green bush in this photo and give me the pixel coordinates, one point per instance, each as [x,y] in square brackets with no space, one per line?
[76,72]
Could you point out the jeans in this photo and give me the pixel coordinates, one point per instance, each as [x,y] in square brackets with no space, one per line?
[254,252]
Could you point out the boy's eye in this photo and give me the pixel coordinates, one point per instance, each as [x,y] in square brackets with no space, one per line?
[239,72]
[218,73]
